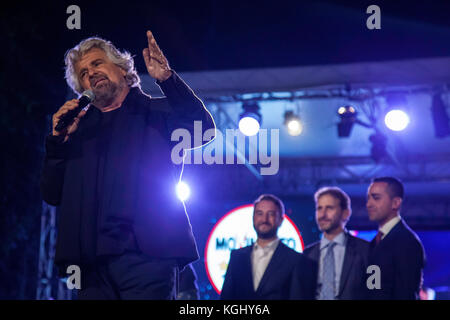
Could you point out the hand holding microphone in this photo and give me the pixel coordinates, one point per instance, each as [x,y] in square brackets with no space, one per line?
[66,119]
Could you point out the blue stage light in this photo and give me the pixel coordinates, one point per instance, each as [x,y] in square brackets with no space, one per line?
[183,191]
[249,126]
[396,120]
[250,119]
[347,115]
[293,123]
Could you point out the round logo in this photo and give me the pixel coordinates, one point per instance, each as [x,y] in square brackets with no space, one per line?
[235,230]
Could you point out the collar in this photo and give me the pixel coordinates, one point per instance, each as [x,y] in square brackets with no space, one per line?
[128,104]
[340,239]
[388,226]
[270,246]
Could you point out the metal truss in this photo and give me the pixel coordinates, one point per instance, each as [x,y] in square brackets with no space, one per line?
[49,286]
[357,170]
[298,176]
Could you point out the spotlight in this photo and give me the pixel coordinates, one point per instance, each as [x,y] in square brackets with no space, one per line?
[293,123]
[348,119]
[250,118]
[183,191]
[440,117]
[396,118]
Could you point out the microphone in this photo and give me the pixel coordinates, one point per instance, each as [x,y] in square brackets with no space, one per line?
[87,97]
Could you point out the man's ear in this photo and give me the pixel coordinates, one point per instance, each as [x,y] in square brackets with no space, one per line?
[397,203]
[346,214]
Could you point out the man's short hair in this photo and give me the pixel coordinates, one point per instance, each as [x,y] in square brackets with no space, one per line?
[338,193]
[395,186]
[274,199]
[122,59]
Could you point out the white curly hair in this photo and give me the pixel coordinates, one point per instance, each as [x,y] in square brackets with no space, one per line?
[122,59]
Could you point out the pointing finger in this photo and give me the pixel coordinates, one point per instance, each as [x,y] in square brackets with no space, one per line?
[152,45]
[151,40]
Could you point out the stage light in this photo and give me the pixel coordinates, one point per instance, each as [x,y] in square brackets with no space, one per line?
[250,118]
[396,120]
[440,117]
[183,191]
[293,123]
[347,115]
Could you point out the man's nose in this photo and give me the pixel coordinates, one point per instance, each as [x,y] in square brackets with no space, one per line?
[91,73]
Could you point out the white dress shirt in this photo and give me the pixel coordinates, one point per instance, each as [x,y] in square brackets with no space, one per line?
[388,226]
[260,260]
[339,253]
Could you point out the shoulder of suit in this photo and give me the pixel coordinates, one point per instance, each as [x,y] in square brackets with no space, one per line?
[243,250]
[288,249]
[408,234]
[311,247]
[358,241]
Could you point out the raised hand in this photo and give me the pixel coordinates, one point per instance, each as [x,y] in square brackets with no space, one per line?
[155,61]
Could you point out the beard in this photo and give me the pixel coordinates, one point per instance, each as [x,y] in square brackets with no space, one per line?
[106,92]
[268,234]
[329,226]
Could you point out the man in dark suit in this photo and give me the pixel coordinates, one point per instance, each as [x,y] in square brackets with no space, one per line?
[341,257]
[265,270]
[396,249]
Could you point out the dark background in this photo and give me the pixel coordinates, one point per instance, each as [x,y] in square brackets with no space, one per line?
[195,36]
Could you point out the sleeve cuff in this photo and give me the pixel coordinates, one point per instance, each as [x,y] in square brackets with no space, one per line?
[169,83]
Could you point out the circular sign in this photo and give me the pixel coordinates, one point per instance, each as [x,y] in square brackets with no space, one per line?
[235,230]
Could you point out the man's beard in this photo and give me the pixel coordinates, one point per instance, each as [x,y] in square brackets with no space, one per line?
[267,234]
[332,226]
[107,92]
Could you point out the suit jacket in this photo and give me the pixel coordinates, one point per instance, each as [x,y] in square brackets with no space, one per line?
[401,258]
[277,283]
[352,285]
[139,177]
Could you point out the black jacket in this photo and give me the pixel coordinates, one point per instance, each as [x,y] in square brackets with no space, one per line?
[401,258]
[139,177]
[279,281]
[352,285]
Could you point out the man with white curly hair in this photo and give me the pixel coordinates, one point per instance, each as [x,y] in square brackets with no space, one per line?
[111,174]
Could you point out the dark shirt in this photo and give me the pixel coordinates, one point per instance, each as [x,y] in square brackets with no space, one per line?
[117,236]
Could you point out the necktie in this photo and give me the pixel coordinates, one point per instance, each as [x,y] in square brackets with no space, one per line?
[378,237]
[328,275]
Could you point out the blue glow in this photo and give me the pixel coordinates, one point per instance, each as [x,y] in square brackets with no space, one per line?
[294,127]
[249,126]
[396,120]
[183,191]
